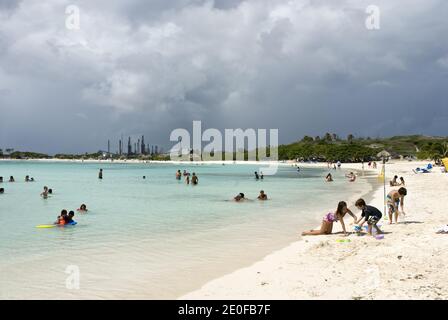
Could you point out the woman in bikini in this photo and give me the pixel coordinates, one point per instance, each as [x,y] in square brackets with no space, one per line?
[330,218]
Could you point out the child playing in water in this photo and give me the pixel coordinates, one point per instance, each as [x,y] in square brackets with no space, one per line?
[369,214]
[69,219]
[44,194]
[262,196]
[61,220]
[239,197]
[82,208]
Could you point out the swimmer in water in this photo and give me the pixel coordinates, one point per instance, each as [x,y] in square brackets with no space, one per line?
[11,179]
[194,179]
[262,196]
[70,216]
[178,175]
[256,175]
[100,174]
[329,178]
[239,197]
[62,218]
[2,190]
[82,208]
[44,194]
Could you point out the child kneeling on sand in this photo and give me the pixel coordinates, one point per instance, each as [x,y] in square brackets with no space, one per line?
[330,218]
[369,214]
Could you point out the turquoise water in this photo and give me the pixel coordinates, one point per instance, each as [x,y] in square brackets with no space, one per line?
[153,238]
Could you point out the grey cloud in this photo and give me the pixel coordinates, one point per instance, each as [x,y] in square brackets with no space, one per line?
[139,67]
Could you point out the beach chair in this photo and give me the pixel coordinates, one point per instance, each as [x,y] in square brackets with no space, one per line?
[427,169]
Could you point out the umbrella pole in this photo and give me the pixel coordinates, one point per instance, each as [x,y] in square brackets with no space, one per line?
[384,185]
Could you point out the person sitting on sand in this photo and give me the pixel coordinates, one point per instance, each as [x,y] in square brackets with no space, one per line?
[62,218]
[240,197]
[44,194]
[329,178]
[330,218]
[82,208]
[2,190]
[395,198]
[11,179]
[194,179]
[369,214]
[262,196]
[394,181]
[402,183]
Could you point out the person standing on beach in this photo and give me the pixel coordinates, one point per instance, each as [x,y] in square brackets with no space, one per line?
[330,218]
[100,174]
[194,179]
[395,198]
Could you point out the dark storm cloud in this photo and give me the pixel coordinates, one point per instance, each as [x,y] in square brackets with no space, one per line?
[147,67]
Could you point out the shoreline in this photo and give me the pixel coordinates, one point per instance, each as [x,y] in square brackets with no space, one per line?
[319,267]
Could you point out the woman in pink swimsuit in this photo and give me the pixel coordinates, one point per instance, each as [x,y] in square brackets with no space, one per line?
[330,218]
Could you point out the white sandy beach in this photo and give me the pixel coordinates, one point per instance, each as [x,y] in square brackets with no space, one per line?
[409,263]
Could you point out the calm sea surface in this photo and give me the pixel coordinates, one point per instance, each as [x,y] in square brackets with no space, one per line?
[153,238]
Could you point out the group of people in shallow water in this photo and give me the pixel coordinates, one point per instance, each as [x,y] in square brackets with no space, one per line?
[369,215]
[11,179]
[194,178]
[351,177]
[240,197]
[66,218]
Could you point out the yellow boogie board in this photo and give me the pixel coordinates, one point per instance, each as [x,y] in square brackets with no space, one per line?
[46,226]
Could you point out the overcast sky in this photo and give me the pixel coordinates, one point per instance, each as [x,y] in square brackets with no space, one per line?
[147,67]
